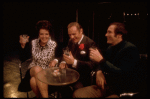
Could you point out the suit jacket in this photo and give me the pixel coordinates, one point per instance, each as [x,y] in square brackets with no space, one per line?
[84,64]
[120,66]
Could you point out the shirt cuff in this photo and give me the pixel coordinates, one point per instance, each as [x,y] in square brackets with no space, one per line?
[74,64]
[56,60]
[63,62]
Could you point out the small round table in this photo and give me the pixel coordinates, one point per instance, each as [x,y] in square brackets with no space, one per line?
[65,77]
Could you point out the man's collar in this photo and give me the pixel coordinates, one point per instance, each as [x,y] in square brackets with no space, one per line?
[118,45]
[81,39]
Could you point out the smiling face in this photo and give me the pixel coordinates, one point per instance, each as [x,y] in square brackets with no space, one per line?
[74,34]
[44,36]
[113,38]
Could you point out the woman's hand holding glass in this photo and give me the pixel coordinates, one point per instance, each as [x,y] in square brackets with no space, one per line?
[23,40]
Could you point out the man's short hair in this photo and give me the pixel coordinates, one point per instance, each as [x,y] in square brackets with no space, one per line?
[74,24]
[120,29]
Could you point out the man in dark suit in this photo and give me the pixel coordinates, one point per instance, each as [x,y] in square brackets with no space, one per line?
[118,69]
[78,59]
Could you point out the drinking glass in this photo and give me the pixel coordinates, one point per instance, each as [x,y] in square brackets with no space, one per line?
[25,37]
[66,51]
[63,74]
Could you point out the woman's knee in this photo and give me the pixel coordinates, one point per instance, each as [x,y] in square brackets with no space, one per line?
[34,70]
[32,80]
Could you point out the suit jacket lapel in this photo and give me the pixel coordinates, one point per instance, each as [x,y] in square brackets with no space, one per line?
[74,50]
[77,53]
[83,40]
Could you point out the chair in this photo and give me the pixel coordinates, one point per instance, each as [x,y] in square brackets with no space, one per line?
[143,86]
[24,85]
[92,76]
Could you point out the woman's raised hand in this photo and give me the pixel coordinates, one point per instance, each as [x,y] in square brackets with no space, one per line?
[23,40]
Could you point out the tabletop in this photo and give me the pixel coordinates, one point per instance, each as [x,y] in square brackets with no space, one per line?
[57,77]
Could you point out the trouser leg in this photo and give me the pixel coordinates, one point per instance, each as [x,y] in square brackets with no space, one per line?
[88,92]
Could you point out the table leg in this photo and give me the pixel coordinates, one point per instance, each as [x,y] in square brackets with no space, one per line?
[57,94]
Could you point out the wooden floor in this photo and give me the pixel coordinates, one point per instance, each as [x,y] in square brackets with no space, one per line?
[11,78]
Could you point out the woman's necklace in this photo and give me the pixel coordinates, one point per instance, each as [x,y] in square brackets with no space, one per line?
[42,45]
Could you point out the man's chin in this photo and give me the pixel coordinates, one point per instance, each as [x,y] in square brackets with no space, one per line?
[74,41]
[108,42]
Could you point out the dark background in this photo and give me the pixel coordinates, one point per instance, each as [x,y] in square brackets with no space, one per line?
[21,17]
